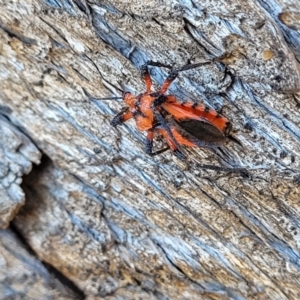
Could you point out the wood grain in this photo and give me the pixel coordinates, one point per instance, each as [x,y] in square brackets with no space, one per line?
[117,223]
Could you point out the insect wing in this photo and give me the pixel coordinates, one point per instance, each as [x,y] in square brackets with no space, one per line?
[190,110]
[202,123]
[202,130]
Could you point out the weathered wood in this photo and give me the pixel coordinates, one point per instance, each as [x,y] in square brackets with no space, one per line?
[17,153]
[120,224]
[23,276]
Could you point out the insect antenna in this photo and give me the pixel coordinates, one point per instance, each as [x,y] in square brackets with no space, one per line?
[105,98]
[111,98]
[192,66]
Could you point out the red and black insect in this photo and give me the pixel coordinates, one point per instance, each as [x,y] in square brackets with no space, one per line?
[180,123]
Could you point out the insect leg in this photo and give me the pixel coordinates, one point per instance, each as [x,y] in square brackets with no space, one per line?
[149,144]
[174,73]
[121,117]
[171,77]
[174,146]
[157,64]
[193,66]
[146,74]
[146,77]
[172,136]
[161,99]
[166,127]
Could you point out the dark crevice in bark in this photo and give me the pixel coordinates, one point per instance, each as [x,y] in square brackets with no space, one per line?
[297,100]
[155,20]
[80,74]
[177,268]
[82,5]
[27,182]
[119,235]
[65,281]
[55,273]
[189,27]
[56,30]
[13,34]
[22,239]
[214,201]
[111,37]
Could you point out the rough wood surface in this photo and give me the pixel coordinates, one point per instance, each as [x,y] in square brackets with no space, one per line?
[23,276]
[117,223]
[17,154]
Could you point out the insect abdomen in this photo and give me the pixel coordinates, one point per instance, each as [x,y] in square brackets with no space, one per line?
[190,110]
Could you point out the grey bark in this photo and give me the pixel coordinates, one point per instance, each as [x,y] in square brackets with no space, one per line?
[106,221]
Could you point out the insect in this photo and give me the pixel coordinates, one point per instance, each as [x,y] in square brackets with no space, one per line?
[179,123]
